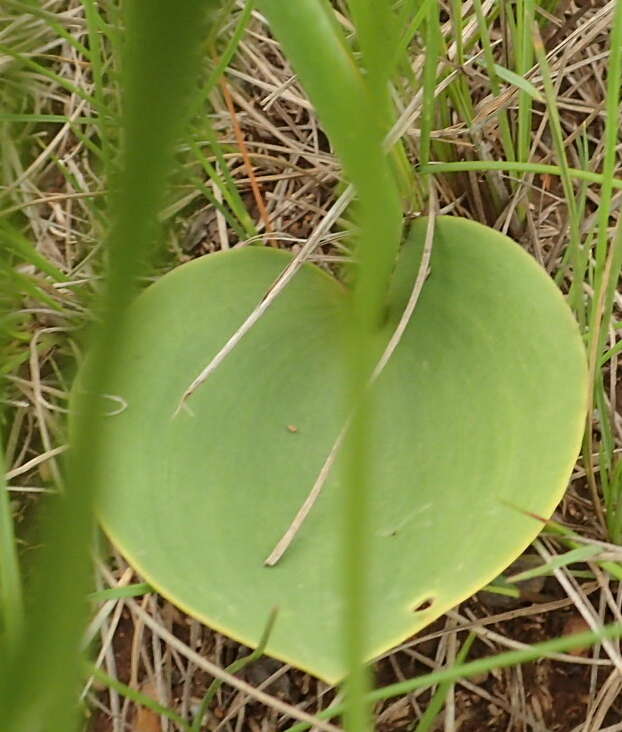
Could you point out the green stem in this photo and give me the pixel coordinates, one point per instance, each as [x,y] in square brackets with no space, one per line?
[346,102]
[516,167]
[136,696]
[235,668]
[11,602]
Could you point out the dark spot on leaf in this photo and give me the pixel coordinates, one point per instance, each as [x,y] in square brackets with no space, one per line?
[425,604]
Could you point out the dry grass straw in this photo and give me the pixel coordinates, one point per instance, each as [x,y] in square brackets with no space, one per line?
[55,186]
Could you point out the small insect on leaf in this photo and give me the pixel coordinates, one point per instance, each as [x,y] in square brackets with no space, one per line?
[292,428]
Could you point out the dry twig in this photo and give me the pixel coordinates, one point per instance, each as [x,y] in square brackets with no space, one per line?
[310,500]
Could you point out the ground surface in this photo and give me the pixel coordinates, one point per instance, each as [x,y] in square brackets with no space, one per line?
[53,188]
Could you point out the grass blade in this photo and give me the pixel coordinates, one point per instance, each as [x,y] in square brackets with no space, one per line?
[161,63]
[573,252]
[137,697]
[235,668]
[436,702]
[517,167]
[11,603]
[608,261]
[480,666]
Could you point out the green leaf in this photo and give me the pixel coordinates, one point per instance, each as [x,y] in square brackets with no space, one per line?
[518,81]
[478,413]
[113,593]
[580,554]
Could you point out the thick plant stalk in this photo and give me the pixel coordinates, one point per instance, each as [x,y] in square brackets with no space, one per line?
[346,104]
[37,691]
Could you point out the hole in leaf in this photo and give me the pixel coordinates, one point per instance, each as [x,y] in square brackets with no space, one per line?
[422,605]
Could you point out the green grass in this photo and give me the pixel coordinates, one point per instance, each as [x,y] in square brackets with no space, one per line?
[39,690]
[521,82]
[482,665]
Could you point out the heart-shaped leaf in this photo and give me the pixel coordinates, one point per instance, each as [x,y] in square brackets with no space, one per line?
[478,417]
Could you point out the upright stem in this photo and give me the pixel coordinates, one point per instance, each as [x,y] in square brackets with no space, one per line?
[347,102]
[355,562]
